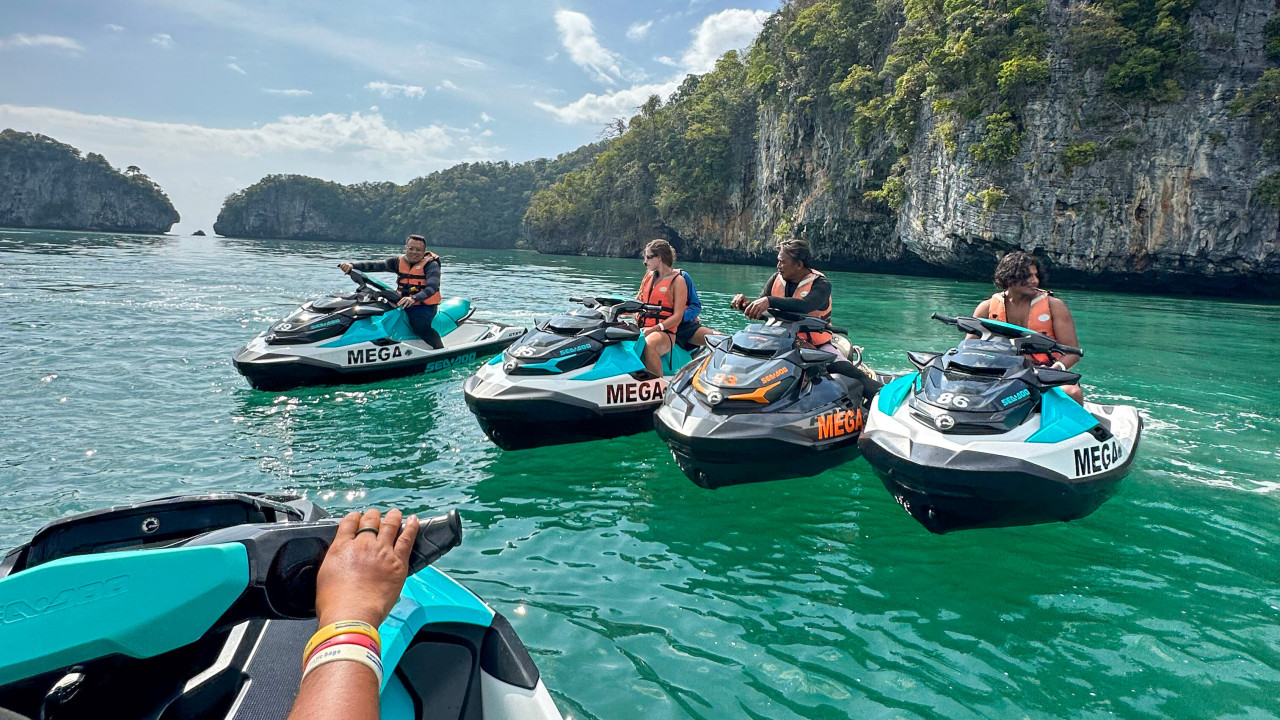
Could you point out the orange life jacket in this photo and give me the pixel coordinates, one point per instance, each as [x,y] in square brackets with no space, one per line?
[1039,319]
[665,297]
[779,289]
[412,278]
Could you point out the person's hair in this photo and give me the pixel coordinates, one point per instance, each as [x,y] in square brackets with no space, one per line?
[798,250]
[1015,269]
[419,238]
[663,250]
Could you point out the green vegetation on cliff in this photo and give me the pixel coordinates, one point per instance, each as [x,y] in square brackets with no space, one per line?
[468,205]
[48,184]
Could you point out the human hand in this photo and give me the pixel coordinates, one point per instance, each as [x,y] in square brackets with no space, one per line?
[405,302]
[739,302]
[756,309]
[344,267]
[363,572]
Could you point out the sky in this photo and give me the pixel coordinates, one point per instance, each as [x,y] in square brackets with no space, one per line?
[209,96]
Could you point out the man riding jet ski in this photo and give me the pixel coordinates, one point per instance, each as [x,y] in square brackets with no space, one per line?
[578,376]
[361,337]
[762,407]
[982,437]
[200,608]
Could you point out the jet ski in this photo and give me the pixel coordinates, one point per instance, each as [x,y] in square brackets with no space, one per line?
[362,336]
[200,607]
[981,437]
[578,376]
[761,407]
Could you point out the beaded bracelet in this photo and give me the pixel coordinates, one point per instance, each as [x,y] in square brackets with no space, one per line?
[346,651]
[341,628]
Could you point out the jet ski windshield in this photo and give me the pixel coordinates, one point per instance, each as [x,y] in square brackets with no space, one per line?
[764,340]
[575,322]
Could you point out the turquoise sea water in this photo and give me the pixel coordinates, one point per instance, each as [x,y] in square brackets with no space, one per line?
[639,594]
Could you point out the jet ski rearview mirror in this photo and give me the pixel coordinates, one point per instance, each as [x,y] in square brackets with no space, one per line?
[618,334]
[811,356]
[921,359]
[1049,377]
[714,341]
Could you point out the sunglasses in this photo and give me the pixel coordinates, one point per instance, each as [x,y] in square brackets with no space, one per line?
[650,257]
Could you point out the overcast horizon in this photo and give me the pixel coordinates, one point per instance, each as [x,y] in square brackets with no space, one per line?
[207,97]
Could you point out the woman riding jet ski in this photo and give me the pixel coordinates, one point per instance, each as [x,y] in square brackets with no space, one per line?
[578,376]
[362,337]
[982,437]
[200,607]
[761,407]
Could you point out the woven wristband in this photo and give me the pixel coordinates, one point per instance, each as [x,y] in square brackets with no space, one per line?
[341,628]
[347,651]
[347,639]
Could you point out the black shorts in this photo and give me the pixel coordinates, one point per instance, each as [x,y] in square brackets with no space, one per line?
[684,334]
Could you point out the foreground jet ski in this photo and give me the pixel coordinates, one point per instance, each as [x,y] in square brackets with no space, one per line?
[200,607]
[578,376]
[981,437]
[760,407]
[362,337]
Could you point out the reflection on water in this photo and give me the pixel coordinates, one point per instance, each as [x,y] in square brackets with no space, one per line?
[638,593]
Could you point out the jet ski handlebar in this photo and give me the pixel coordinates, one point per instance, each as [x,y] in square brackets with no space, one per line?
[365,282]
[618,306]
[808,323]
[1027,341]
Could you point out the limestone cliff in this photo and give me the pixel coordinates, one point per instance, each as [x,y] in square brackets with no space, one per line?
[1113,190]
[47,184]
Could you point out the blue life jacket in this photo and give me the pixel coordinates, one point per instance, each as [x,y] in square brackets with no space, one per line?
[693,306]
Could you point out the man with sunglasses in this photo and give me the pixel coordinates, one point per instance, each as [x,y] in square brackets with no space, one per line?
[417,281]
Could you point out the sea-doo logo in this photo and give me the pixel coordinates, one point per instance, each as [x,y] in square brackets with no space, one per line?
[63,599]
[1006,402]
[573,350]
[326,323]
[442,364]
[150,525]
[1098,458]
[840,422]
[624,393]
[365,356]
[774,375]
[944,422]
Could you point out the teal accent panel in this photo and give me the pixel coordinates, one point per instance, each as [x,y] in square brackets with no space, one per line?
[892,395]
[615,360]
[429,596]
[396,704]
[677,358]
[392,324]
[138,603]
[552,365]
[448,315]
[1061,418]
[497,359]
[1008,325]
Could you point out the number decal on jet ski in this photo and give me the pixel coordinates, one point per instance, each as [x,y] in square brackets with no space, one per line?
[723,379]
[840,422]
[1098,458]
[959,401]
[372,355]
[624,393]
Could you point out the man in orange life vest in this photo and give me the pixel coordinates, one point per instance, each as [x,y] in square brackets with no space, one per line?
[797,288]
[1021,302]
[417,281]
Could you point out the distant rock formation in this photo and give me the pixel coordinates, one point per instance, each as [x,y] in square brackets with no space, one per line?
[198,233]
[48,184]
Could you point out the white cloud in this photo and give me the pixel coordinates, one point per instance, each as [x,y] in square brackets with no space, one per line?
[639,30]
[714,36]
[115,28]
[469,63]
[287,93]
[22,40]
[346,148]
[726,30]
[486,117]
[579,39]
[237,68]
[593,108]
[164,40]
[446,85]
[667,61]
[388,90]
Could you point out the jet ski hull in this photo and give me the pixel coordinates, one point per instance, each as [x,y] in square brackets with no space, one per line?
[717,451]
[277,368]
[959,482]
[535,414]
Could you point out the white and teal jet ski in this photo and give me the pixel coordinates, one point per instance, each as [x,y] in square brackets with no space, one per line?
[981,437]
[362,337]
[199,608]
[578,376]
